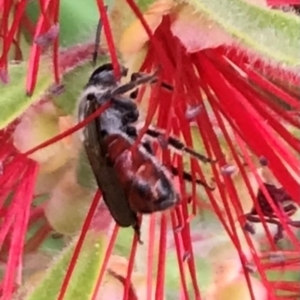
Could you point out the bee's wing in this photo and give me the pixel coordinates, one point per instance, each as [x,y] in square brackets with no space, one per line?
[105,174]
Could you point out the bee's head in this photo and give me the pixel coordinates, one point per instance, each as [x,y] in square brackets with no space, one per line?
[104,75]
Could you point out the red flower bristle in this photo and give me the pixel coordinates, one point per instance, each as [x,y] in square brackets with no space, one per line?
[18,214]
[69,131]
[256,138]
[161,263]
[43,25]
[107,255]
[176,224]
[27,25]
[185,233]
[131,291]
[38,238]
[55,53]
[76,253]
[130,268]
[8,35]
[36,213]
[160,52]
[109,38]
[243,58]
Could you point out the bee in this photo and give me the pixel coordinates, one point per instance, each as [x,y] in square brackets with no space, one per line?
[284,203]
[132,180]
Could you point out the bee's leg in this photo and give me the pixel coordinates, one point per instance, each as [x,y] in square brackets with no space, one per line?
[189,177]
[178,145]
[294,223]
[132,132]
[135,76]
[166,86]
[130,85]
[279,234]
[137,230]
[256,219]
[139,80]
[147,145]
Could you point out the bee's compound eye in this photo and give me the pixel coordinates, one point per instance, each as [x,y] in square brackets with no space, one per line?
[103,133]
[90,97]
[130,117]
[131,131]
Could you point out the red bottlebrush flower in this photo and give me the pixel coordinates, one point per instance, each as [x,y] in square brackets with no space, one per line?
[18,175]
[239,101]
[221,102]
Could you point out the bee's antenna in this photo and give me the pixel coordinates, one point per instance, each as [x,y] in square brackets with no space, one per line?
[97,41]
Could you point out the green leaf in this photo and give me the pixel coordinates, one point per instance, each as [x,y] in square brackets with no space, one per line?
[283,276]
[172,276]
[13,100]
[87,269]
[173,281]
[204,274]
[144,4]
[124,241]
[74,82]
[50,243]
[272,33]
[83,278]
[77,20]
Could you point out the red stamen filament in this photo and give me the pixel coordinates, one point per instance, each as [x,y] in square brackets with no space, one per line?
[109,38]
[84,230]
